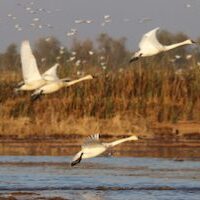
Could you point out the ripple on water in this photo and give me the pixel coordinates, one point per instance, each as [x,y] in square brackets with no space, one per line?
[101,178]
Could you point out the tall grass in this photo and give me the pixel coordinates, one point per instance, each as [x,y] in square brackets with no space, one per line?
[155,92]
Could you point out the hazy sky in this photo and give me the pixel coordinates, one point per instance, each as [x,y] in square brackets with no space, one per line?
[126,15]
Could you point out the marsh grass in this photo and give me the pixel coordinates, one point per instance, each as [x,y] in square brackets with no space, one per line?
[111,103]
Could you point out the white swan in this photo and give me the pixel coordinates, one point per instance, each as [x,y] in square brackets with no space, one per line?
[31,75]
[49,75]
[149,45]
[93,147]
[56,85]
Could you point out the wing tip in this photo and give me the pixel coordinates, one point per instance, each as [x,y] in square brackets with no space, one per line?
[25,42]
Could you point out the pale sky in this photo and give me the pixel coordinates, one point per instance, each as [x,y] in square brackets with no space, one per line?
[126,16]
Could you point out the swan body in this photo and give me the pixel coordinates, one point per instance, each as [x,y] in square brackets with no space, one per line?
[47,76]
[93,147]
[56,85]
[149,45]
[31,75]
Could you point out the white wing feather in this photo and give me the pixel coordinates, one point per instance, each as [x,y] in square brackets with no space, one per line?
[149,40]
[92,139]
[51,74]
[29,66]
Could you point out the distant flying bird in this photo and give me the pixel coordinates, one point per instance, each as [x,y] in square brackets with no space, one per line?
[40,26]
[145,19]
[58,57]
[28,8]
[79,21]
[72,32]
[149,45]
[188,56]
[32,24]
[78,62]
[88,21]
[92,147]
[72,58]
[106,17]
[36,19]
[61,51]
[91,53]
[19,29]
[57,85]
[48,39]
[31,75]
[17,26]
[43,59]
[49,26]
[177,56]
[73,53]
[188,5]
[62,47]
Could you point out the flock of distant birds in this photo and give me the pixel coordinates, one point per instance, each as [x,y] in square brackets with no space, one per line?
[49,82]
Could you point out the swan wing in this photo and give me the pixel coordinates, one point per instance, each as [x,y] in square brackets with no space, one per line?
[92,139]
[29,66]
[51,74]
[149,40]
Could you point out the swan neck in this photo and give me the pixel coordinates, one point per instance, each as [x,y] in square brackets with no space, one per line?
[77,81]
[111,144]
[172,46]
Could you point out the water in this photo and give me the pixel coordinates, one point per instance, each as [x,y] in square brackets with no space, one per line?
[99,178]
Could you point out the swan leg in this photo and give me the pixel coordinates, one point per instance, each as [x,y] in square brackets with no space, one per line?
[77,161]
[18,87]
[133,59]
[36,96]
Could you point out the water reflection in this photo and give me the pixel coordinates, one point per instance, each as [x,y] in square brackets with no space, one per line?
[144,148]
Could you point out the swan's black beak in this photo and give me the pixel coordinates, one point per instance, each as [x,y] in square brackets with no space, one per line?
[94,76]
[193,42]
[75,162]
[133,59]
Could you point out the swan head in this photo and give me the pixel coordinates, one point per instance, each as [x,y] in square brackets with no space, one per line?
[134,137]
[94,76]
[136,56]
[193,42]
[91,76]
[77,158]
[190,41]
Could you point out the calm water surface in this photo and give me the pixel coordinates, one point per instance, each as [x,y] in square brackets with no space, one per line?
[100,178]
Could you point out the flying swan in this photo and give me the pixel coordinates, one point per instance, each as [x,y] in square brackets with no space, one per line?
[149,45]
[56,85]
[31,75]
[92,147]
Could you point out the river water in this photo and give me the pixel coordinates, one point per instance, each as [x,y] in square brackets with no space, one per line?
[32,177]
